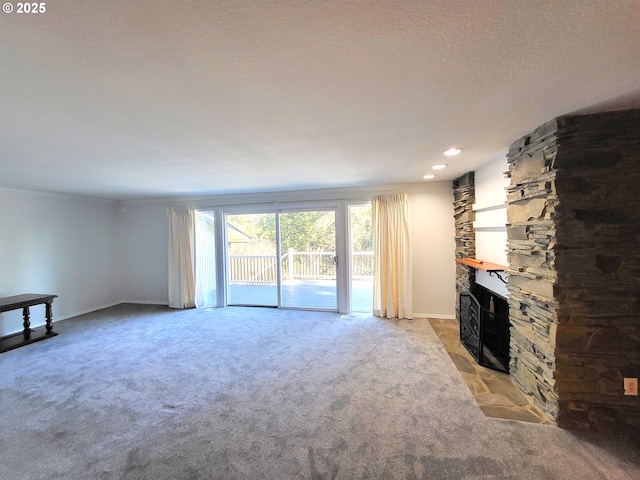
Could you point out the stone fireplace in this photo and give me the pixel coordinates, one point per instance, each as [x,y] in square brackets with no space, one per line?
[484,327]
[573,243]
[573,208]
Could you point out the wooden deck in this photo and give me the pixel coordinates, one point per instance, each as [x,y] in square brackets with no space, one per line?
[308,294]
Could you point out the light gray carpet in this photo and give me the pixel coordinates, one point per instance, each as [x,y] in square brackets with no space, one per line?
[144,392]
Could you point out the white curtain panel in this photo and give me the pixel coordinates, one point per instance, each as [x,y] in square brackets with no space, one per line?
[392,257]
[182,254]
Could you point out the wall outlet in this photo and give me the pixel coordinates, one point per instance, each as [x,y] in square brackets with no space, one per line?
[631,386]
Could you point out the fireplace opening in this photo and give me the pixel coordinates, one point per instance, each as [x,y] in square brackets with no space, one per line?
[484,327]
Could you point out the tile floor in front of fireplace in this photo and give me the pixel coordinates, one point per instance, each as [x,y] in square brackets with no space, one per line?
[494,391]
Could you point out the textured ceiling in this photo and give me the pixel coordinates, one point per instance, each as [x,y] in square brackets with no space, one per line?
[130,99]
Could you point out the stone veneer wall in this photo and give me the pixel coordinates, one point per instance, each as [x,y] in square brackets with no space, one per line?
[463,200]
[574,278]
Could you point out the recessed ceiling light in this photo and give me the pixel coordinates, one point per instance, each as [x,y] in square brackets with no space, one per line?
[453,151]
[439,166]
[429,176]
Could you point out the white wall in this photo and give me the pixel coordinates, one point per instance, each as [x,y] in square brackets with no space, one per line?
[433,250]
[490,182]
[491,219]
[63,245]
[144,241]
[144,250]
[95,253]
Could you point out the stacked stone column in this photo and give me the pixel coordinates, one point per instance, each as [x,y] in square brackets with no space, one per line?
[463,200]
[531,242]
[574,278]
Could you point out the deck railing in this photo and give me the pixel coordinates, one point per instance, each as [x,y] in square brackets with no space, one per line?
[253,269]
[362,265]
[262,269]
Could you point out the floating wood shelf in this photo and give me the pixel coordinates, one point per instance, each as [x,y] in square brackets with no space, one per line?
[482,264]
[492,268]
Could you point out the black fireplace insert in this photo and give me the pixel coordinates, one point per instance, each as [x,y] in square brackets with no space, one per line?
[484,327]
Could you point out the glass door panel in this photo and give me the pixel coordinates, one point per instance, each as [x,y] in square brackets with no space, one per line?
[361,244]
[206,292]
[308,259]
[252,253]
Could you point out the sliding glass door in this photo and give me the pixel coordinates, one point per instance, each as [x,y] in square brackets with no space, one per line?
[252,259]
[284,259]
[305,257]
[308,259]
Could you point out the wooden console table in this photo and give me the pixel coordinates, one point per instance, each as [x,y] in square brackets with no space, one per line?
[28,335]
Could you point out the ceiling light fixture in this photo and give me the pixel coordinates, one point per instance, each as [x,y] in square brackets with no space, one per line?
[453,151]
[429,176]
[439,166]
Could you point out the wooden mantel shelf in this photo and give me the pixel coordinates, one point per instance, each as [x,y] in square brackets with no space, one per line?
[482,264]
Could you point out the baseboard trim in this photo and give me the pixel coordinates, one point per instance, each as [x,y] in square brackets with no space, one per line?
[438,316]
[83,312]
[101,307]
[37,322]
[144,302]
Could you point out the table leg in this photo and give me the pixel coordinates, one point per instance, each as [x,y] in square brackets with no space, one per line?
[49,321]
[26,324]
